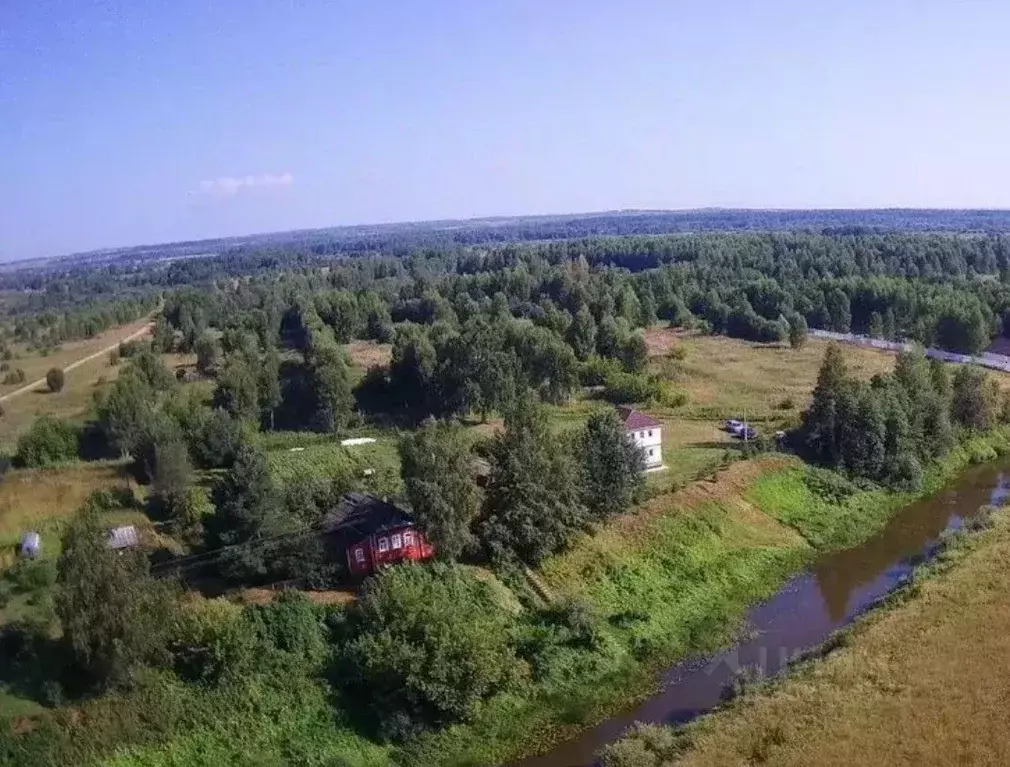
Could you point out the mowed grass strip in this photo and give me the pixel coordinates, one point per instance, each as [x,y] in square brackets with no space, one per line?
[925,683]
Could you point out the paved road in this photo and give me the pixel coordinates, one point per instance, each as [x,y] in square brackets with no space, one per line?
[84,360]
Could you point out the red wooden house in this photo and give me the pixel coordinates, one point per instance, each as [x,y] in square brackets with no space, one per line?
[372,533]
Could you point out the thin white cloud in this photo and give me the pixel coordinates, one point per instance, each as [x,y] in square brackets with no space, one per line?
[228,186]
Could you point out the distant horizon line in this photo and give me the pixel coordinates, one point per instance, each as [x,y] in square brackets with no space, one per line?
[507,217]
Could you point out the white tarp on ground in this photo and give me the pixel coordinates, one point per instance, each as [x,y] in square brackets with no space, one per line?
[986,359]
[357,441]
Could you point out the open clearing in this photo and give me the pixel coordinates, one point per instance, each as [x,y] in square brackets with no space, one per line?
[922,684]
[43,500]
[71,355]
[87,368]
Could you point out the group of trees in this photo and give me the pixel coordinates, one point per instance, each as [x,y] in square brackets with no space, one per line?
[887,429]
[538,491]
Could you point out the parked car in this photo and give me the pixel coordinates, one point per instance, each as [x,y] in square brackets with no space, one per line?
[733,426]
[748,433]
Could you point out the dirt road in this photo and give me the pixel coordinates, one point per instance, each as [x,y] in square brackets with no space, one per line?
[84,360]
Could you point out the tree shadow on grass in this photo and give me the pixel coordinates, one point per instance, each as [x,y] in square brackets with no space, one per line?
[35,665]
[736,445]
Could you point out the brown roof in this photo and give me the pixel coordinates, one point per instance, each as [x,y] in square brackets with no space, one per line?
[634,419]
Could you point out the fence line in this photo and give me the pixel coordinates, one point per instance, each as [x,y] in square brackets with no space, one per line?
[986,359]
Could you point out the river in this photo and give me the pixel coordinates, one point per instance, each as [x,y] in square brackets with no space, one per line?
[802,614]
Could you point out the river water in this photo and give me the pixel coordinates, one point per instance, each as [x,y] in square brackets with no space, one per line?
[802,614]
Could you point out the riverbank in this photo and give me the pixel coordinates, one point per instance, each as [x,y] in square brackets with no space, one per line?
[675,580]
[921,681]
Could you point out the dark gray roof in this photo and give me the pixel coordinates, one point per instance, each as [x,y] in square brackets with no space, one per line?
[358,515]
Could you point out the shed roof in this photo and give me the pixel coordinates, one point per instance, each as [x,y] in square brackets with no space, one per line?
[358,515]
[123,537]
[31,542]
[635,419]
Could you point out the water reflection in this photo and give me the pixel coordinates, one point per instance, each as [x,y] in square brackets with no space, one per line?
[906,536]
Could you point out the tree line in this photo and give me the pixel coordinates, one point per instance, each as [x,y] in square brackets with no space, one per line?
[888,429]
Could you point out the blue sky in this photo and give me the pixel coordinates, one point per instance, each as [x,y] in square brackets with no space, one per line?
[145,121]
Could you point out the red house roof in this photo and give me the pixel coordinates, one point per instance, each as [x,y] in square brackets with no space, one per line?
[634,419]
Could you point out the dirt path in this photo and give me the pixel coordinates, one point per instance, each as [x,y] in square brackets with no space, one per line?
[83,361]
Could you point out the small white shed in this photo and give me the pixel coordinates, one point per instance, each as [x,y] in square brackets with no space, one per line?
[123,537]
[31,545]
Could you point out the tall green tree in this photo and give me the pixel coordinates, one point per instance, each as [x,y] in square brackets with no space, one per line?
[797,330]
[611,466]
[247,520]
[331,386]
[412,369]
[237,391]
[975,399]
[268,386]
[114,617]
[635,353]
[531,506]
[207,353]
[822,420]
[582,333]
[437,467]
[839,310]
[875,329]
[123,413]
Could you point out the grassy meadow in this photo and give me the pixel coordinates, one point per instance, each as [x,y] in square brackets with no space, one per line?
[73,402]
[36,365]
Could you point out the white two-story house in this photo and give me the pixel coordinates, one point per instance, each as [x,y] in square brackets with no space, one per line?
[647,433]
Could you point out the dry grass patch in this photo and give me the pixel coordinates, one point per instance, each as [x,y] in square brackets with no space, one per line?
[366,354]
[923,684]
[36,366]
[72,403]
[730,375]
[43,499]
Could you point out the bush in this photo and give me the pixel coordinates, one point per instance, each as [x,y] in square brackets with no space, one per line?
[596,370]
[578,622]
[626,388]
[645,745]
[786,404]
[27,575]
[55,379]
[48,441]
[211,641]
[426,645]
[829,485]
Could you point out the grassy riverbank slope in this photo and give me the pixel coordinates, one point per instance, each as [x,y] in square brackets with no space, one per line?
[923,683]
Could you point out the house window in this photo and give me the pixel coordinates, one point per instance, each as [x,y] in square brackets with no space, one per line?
[650,432]
[383,545]
[397,541]
[408,538]
[651,451]
[359,555]
[641,435]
